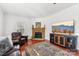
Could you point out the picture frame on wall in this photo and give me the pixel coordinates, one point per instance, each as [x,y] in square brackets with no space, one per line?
[63,27]
[38,24]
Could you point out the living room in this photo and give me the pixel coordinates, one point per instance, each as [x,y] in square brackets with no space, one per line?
[24,17]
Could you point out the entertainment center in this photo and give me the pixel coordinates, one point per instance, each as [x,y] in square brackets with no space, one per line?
[66,41]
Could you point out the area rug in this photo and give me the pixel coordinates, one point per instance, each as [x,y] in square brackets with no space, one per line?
[45,49]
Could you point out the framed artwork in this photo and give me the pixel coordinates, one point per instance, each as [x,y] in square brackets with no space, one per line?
[20,27]
[38,24]
[63,27]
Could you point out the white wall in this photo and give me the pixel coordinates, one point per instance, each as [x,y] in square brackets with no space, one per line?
[71,13]
[1,22]
[11,24]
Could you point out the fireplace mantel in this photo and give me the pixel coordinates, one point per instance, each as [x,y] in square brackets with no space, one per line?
[38,29]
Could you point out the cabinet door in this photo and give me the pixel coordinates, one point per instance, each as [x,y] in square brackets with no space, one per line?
[56,39]
[62,40]
[72,40]
[52,38]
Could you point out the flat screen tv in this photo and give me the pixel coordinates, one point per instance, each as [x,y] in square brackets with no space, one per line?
[64,27]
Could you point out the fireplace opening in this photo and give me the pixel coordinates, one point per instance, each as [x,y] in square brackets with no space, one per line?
[38,35]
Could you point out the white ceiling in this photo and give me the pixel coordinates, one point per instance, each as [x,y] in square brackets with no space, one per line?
[34,10]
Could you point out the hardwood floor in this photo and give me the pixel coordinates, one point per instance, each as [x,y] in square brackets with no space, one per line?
[30,42]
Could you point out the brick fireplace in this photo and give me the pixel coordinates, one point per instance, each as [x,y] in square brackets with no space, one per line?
[38,32]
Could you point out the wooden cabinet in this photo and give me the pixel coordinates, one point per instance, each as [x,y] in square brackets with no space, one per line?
[59,39]
[67,41]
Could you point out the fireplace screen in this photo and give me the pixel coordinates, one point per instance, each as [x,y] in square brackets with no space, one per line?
[38,35]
